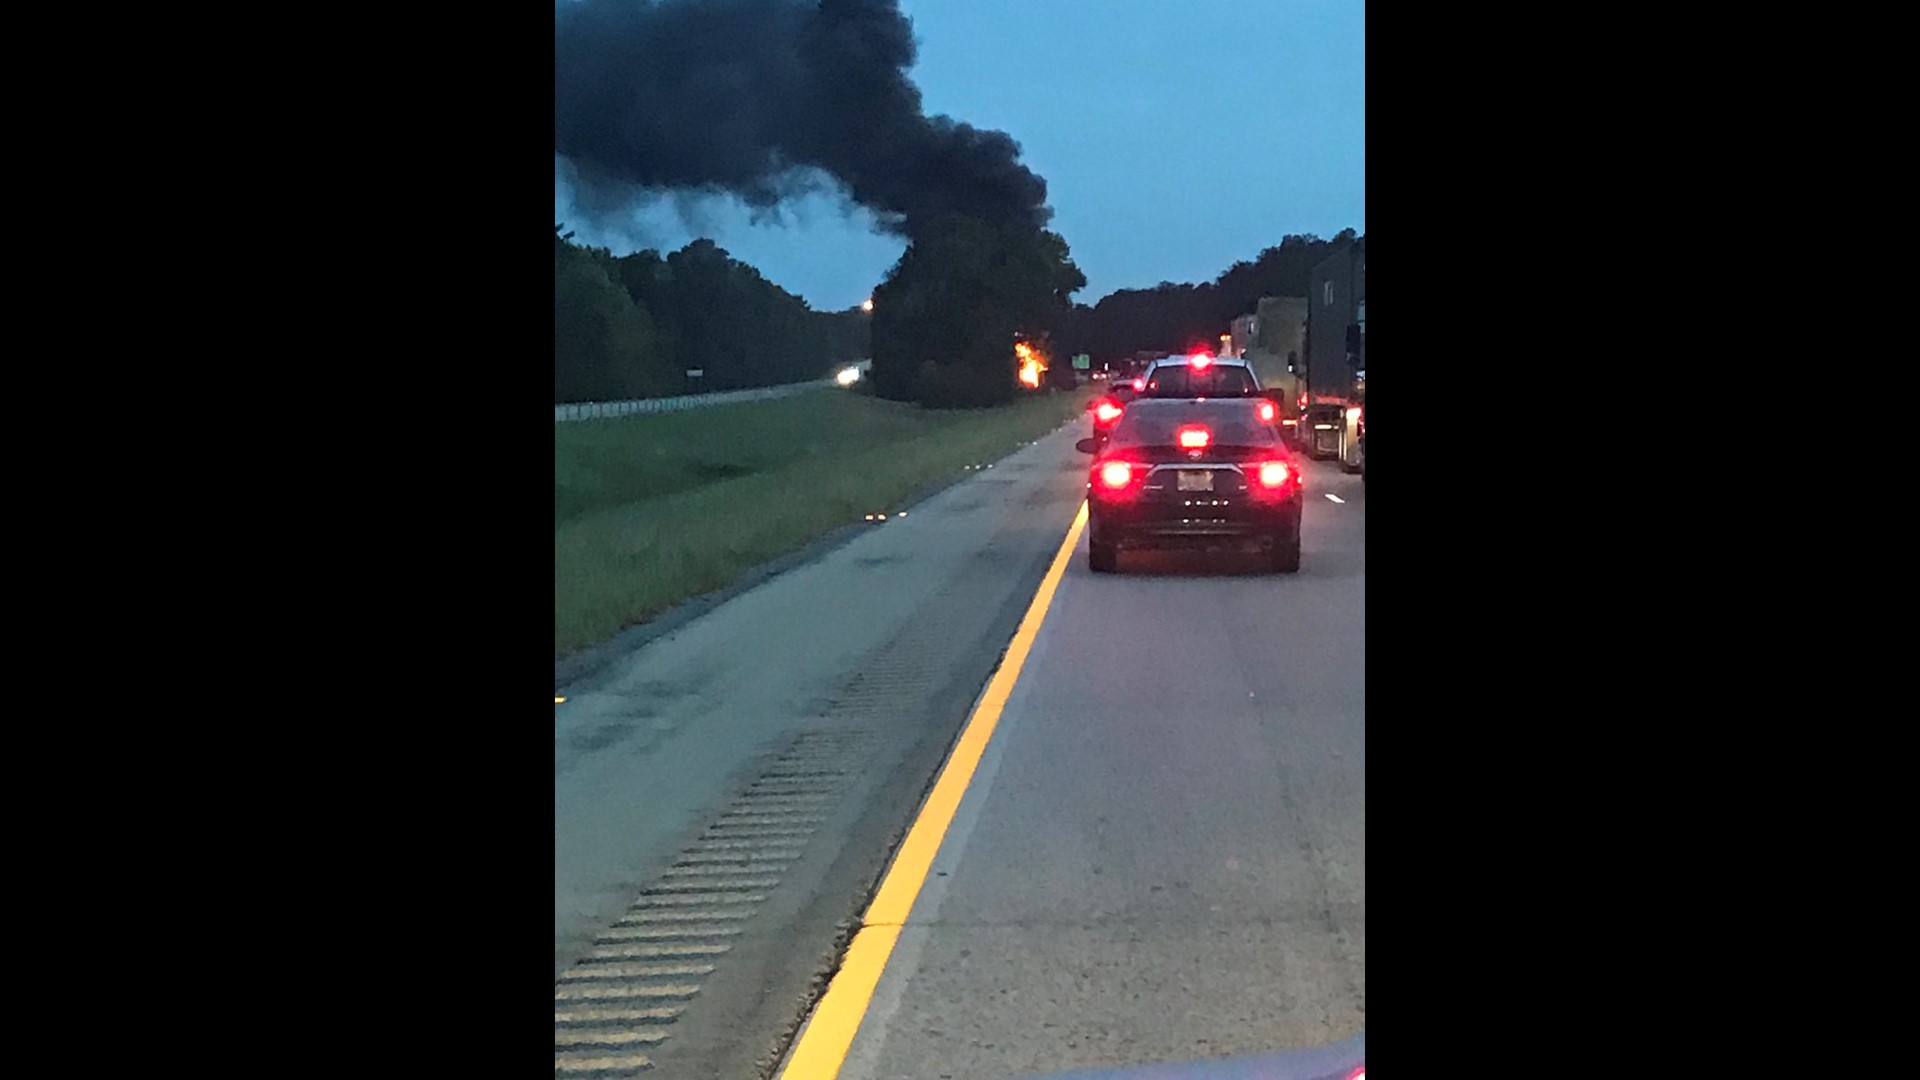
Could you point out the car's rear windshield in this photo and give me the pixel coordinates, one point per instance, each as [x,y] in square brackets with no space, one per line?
[1232,423]
[1214,380]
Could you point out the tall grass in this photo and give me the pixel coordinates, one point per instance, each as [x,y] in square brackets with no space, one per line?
[652,510]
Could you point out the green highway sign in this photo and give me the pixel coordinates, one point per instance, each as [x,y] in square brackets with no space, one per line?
[1082,362]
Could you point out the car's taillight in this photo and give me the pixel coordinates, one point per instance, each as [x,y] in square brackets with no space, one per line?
[1139,384]
[1107,412]
[1195,438]
[1274,474]
[1200,361]
[1266,412]
[1116,474]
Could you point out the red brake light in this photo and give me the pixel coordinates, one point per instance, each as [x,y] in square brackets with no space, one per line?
[1266,412]
[1107,412]
[1116,474]
[1139,384]
[1200,360]
[1274,474]
[1195,438]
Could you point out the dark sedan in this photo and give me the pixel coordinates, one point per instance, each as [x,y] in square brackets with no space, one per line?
[1193,474]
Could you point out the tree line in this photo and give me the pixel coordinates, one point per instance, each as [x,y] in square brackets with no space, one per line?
[942,332]
[631,326]
[1174,317]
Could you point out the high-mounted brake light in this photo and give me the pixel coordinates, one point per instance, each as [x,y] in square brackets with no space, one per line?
[1107,412]
[1266,412]
[1199,361]
[1116,474]
[1195,438]
[1273,474]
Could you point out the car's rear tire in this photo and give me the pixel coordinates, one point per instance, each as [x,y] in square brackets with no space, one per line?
[1102,558]
[1285,554]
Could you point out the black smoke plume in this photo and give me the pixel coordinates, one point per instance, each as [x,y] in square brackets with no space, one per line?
[758,98]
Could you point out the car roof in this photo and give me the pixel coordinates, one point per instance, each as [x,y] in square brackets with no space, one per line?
[1228,361]
[1171,404]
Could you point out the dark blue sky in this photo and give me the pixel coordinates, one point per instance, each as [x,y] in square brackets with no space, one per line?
[1175,136]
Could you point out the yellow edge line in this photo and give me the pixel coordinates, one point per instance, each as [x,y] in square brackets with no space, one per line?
[824,1043]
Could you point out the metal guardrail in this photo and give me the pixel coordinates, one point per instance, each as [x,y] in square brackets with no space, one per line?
[598,410]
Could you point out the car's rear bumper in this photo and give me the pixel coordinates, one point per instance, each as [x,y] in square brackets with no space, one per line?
[1202,523]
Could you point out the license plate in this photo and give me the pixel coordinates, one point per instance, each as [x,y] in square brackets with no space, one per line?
[1196,481]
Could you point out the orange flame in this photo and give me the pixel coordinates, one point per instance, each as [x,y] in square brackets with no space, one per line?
[1032,364]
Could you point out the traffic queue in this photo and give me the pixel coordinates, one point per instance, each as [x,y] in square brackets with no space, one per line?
[1192,454]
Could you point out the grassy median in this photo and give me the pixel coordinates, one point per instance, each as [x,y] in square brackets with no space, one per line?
[652,510]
